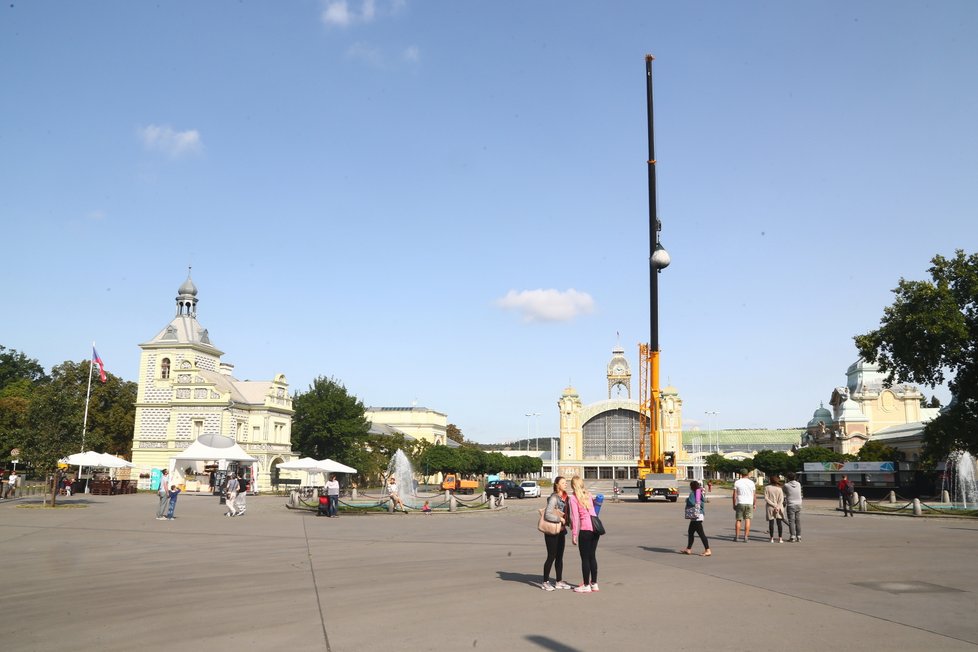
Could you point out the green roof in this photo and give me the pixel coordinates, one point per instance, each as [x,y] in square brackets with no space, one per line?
[750,438]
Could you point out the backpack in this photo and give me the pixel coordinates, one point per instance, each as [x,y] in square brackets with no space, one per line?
[847,488]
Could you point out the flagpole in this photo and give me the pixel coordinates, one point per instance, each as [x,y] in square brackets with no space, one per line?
[88,395]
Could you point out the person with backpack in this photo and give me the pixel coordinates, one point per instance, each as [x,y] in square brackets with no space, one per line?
[846,490]
[231,494]
[240,502]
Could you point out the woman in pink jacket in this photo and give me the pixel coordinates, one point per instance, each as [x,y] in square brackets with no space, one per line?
[581,508]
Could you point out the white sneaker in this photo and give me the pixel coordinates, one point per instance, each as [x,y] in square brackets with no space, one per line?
[594,588]
[780,540]
[798,539]
[583,588]
[561,584]
[547,586]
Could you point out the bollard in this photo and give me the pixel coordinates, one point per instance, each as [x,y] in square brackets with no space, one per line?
[502,499]
[945,496]
[855,499]
[452,504]
[917,511]
[892,497]
[449,495]
[353,493]
[390,506]
[862,504]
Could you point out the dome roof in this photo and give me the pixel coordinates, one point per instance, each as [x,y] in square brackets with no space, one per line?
[569,391]
[669,390]
[188,287]
[822,412]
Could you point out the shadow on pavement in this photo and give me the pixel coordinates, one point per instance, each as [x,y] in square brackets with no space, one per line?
[548,643]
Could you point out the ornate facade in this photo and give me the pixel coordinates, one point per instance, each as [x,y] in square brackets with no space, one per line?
[186,391]
[865,409]
[602,440]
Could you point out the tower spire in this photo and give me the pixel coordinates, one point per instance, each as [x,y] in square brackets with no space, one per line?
[187,297]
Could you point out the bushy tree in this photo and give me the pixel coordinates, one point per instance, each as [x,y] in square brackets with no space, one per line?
[15,366]
[929,335]
[453,433]
[773,463]
[874,451]
[816,454]
[330,422]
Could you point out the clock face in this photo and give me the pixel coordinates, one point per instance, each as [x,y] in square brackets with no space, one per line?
[619,369]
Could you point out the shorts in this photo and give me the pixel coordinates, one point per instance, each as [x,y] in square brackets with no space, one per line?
[744,512]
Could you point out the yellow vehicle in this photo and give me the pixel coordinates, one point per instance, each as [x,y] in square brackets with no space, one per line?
[454,483]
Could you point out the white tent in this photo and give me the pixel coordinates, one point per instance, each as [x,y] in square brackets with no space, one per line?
[301,464]
[113,462]
[88,458]
[331,466]
[214,449]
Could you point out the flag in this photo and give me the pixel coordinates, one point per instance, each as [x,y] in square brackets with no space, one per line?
[101,365]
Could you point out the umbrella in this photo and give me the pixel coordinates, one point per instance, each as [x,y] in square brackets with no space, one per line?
[302,464]
[113,462]
[332,466]
[88,458]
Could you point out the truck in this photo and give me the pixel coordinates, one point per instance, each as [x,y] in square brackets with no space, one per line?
[453,482]
[662,485]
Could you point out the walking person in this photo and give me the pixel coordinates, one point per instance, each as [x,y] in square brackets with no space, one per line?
[774,507]
[333,493]
[581,507]
[240,502]
[846,490]
[231,494]
[744,501]
[13,481]
[695,512]
[556,512]
[164,495]
[792,500]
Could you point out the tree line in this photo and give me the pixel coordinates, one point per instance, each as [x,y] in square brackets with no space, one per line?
[780,463]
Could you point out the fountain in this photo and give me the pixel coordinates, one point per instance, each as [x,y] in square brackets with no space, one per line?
[400,468]
[959,480]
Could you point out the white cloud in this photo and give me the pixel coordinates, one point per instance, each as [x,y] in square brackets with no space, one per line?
[163,138]
[339,13]
[548,305]
[411,54]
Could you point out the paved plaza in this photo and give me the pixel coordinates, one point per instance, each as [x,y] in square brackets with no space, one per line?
[109,576]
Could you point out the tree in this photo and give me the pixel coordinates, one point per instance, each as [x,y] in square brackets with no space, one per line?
[15,366]
[329,422]
[929,335]
[453,433]
[874,451]
[440,459]
[773,463]
[816,454]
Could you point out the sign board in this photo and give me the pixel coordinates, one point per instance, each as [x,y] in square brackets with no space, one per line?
[14,452]
[850,467]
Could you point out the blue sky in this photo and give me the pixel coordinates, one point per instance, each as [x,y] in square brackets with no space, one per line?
[446,202]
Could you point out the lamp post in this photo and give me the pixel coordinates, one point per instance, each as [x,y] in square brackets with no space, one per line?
[711,422]
[530,415]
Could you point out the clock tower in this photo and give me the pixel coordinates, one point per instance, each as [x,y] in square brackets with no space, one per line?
[619,374]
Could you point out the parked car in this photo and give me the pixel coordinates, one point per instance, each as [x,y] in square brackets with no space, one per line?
[530,488]
[507,487]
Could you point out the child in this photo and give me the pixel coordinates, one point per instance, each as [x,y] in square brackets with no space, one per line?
[174,492]
[426,508]
[323,504]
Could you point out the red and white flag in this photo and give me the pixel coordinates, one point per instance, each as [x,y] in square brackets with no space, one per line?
[101,365]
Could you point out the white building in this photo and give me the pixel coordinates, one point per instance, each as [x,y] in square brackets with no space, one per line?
[186,391]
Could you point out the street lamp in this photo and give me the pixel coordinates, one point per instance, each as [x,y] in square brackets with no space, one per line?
[530,415]
[710,423]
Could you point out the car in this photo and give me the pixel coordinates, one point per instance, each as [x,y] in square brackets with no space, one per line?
[530,488]
[507,487]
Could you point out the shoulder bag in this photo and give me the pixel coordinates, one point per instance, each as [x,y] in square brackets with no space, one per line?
[546,526]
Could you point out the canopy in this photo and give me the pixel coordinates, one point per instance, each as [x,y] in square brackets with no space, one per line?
[302,464]
[88,458]
[113,462]
[331,466]
[217,448]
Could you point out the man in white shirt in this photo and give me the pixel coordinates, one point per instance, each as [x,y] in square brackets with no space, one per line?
[744,501]
[13,481]
[333,493]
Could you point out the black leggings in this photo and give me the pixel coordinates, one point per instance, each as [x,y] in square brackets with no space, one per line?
[770,527]
[696,527]
[587,543]
[555,554]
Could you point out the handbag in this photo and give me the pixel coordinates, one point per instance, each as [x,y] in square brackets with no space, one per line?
[546,526]
[596,525]
[692,511]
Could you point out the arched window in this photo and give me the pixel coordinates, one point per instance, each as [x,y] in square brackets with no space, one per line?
[165,368]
